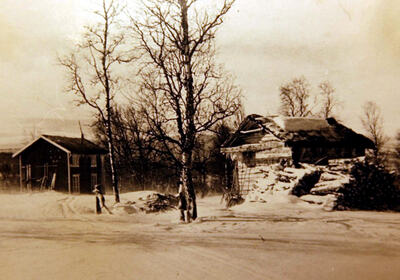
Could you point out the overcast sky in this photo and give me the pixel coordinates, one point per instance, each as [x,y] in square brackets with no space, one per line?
[355,44]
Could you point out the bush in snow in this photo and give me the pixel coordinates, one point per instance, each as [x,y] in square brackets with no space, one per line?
[232,197]
[371,187]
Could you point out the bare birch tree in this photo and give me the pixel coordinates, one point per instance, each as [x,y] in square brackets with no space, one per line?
[90,71]
[184,92]
[372,122]
[329,100]
[295,98]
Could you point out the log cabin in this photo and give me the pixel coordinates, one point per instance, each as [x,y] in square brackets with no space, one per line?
[261,141]
[64,164]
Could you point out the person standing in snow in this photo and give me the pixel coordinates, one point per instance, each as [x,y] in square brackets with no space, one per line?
[100,200]
[182,201]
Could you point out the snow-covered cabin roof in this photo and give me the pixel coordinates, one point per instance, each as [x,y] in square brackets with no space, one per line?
[296,130]
[298,124]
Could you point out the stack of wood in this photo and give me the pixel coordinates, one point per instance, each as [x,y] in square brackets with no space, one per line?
[330,182]
[277,180]
[343,165]
[334,176]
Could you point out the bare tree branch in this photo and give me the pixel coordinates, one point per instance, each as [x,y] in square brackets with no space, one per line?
[329,100]
[102,47]
[372,122]
[295,98]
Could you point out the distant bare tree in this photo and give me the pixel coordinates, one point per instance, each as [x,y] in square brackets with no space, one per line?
[329,100]
[34,132]
[295,98]
[372,122]
[90,71]
[183,91]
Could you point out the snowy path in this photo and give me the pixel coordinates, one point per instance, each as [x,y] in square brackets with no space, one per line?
[58,237]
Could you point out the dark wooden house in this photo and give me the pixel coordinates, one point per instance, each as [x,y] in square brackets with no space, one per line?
[261,141]
[64,164]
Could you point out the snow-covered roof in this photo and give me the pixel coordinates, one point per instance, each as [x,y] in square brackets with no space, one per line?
[292,130]
[298,124]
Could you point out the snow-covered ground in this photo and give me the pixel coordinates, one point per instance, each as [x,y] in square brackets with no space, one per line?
[57,236]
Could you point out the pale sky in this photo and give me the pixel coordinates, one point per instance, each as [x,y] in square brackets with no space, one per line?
[355,44]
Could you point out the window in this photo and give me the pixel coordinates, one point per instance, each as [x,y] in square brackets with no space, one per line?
[75,161]
[93,161]
[75,183]
[249,159]
[93,179]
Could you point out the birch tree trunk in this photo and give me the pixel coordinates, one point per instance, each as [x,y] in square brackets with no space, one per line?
[111,154]
[190,112]
[90,70]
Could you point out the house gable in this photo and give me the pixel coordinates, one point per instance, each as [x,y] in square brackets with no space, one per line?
[39,139]
[68,145]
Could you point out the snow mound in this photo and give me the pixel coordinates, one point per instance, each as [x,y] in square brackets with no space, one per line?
[127,208]
[318,199]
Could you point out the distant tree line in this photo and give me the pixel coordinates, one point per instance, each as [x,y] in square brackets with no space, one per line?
[143,162]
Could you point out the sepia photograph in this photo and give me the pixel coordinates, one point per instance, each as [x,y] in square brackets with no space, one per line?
[200,139]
